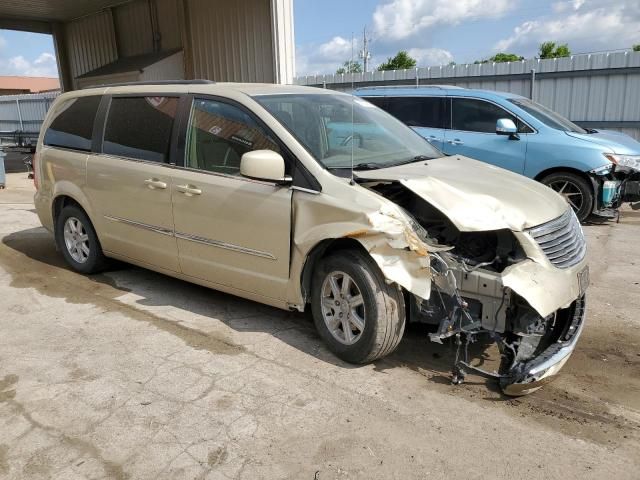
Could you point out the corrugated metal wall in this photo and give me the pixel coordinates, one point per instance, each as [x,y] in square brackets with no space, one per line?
[597,90]
[168,24]
[96,40]
[231,41]
[90,43]
[23,113]
[133,24]
[171,67]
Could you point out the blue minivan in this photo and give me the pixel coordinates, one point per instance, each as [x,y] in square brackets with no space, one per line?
[590,168]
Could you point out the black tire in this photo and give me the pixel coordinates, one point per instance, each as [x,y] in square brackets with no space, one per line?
[577,183]
[95,259]
[384,309]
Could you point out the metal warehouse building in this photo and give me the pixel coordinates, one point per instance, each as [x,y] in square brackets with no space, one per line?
[102,41]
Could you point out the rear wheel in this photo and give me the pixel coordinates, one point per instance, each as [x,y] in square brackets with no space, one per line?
[575,189]
[357,313]
[78,242]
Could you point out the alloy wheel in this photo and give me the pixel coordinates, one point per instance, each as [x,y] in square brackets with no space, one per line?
[342,307]
[570,191]
[76,239]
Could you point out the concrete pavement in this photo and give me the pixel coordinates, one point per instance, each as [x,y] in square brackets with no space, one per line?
[132,374]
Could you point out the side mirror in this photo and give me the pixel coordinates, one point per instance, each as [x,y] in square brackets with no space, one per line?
[263,165]
[505,126]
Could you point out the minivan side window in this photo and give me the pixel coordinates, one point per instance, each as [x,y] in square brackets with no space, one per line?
[377,101]
[417,111]
[140,127]
[473,115]
[219,134]
[73,127]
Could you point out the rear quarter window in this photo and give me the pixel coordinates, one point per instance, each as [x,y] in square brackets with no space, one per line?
[73,126]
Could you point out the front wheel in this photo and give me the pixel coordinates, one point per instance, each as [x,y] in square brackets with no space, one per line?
[357,313]
[575,189]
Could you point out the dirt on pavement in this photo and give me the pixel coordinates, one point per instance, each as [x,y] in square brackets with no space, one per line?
[132,374]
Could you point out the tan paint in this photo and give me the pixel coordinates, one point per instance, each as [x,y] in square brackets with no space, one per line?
[278,217]
[476,196]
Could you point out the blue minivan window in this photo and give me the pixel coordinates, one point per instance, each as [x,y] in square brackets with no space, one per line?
[474,115]
[546,116]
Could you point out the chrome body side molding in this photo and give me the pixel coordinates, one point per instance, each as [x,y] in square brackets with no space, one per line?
[193,238]
[146,226]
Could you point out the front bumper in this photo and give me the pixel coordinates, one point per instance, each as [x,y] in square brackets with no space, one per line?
[531,375]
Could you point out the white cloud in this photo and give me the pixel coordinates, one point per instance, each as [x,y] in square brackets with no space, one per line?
[567,5]
[399,19]
[45,58]
[42,66]
[427,57]
[615,26]
[326,57]
[337,47]
[3,43]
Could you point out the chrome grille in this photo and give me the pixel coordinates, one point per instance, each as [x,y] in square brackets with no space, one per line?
[561,240]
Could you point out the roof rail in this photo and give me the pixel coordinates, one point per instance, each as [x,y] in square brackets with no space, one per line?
[198,81]
[441,87]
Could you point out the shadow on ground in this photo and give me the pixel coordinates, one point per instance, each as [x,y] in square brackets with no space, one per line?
[31,259]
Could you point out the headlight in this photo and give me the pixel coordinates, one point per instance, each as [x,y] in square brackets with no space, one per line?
[631,161]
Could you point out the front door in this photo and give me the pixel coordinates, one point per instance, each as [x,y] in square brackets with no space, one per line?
[473,134]
[230,230]
[130,182]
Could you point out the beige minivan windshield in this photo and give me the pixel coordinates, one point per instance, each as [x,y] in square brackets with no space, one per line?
[335,127]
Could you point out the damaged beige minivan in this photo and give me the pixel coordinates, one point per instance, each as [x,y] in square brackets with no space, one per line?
[299,197]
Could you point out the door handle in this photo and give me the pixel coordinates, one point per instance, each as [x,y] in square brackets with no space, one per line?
[188,190]
[457,141]
[154,183]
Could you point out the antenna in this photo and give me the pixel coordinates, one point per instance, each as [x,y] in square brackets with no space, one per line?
[353,99]
[365,54]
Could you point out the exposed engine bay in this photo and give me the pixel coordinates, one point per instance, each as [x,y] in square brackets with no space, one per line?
[469,298]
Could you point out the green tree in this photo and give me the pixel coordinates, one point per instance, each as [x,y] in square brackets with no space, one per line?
[349,67]
[502,58]
[401,61]
[506,57]
[551,50]
[636,48]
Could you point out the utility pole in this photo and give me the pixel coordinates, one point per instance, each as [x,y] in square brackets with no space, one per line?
[365,54]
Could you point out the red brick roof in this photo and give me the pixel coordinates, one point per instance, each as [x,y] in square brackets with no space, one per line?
[30,84]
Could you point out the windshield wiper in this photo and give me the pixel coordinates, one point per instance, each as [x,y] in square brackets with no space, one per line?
[358,166]
[417,158]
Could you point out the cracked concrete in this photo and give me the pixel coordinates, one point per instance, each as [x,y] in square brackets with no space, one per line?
[133,375]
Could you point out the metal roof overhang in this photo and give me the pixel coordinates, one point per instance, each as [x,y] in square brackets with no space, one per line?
[37,15]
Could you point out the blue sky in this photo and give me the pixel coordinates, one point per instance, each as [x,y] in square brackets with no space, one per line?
[23,53]
[433,31]
[440,31]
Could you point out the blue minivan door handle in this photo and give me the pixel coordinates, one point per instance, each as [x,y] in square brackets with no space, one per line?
[456,141]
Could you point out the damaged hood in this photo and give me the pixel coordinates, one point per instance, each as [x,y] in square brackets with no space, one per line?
[476,196]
